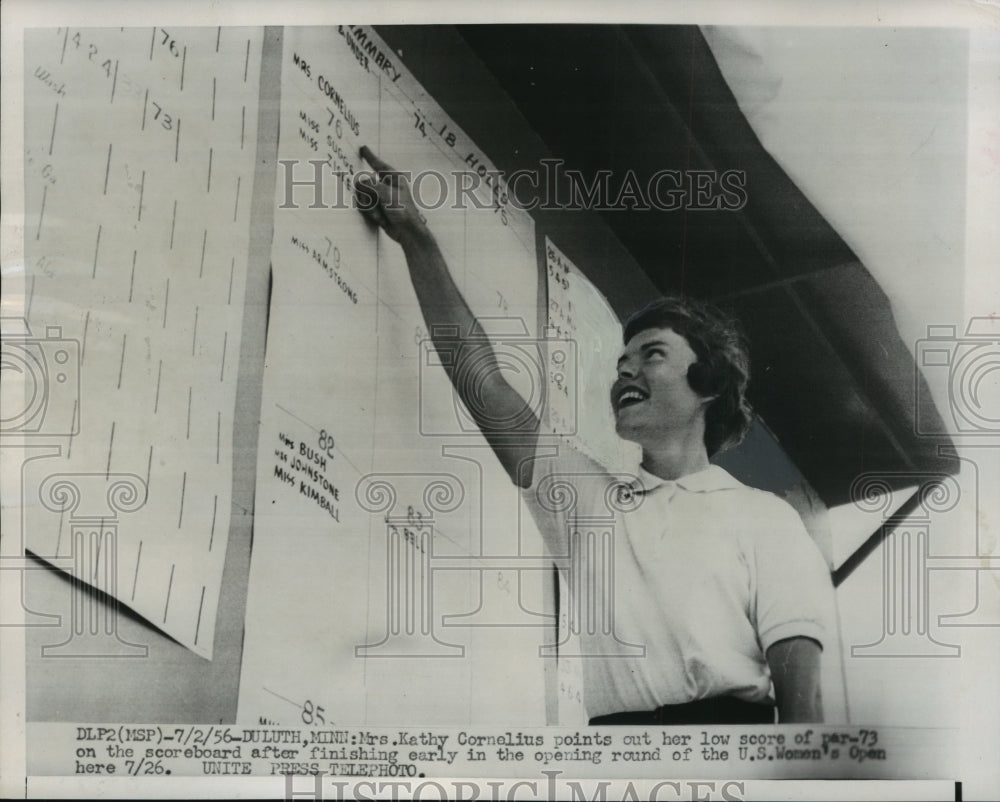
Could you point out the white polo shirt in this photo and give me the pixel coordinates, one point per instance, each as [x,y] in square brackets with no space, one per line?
[708,573]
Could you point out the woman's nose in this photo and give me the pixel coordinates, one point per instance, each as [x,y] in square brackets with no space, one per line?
[626,369]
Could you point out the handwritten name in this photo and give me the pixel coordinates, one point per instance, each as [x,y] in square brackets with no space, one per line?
[43,75]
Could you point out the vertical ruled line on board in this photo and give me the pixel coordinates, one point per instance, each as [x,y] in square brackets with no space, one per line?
[197,625]
[142,191]
[121,364]
[131,280]
[95,577]
[97,248]
[107,169]
[74,419]
[83,343]
[211,534]
[111,443]
[41,214]
[170,587]
[156,399]
[62,515]
[31,298]
[135,578]
[180,513]
[225,343]
[52,138]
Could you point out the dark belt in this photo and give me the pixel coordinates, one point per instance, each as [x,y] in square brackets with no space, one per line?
[715,710]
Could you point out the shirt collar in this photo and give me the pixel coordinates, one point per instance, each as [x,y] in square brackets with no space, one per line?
[710,479]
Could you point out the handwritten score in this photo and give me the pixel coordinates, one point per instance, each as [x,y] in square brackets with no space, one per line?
[390,582]
[579,412]
[140,148]
[579,407]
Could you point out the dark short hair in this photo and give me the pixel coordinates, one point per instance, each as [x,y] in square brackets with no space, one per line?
[723,366]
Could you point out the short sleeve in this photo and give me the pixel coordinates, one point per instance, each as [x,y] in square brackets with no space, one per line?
[794,592]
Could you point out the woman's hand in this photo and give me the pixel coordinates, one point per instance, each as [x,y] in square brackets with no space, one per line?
[388,202]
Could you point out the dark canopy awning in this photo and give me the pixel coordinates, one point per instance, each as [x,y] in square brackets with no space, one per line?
[833,380]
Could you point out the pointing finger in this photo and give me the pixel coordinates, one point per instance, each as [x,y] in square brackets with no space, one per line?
[379,165]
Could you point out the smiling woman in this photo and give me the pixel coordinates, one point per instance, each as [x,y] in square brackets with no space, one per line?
[721,599]
[719,370]
[656,406]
